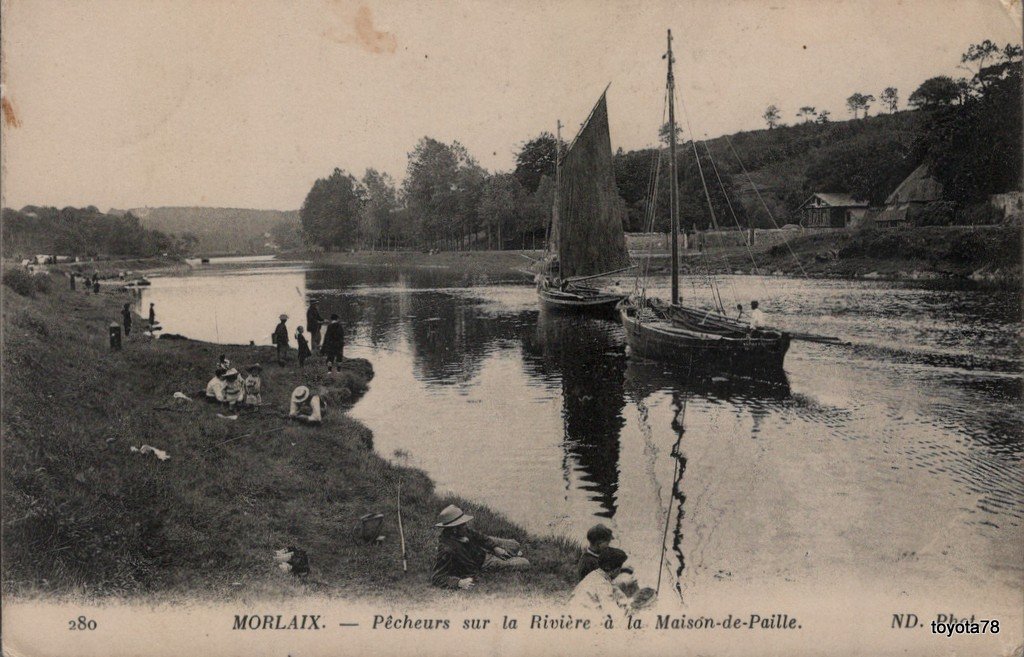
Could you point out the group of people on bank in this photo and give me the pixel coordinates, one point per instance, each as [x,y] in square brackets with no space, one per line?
[237,393]
[305,404]
[604,583]
[332,348]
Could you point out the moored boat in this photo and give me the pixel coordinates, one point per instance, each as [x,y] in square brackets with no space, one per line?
[586,240]
[688,336]
[658,331]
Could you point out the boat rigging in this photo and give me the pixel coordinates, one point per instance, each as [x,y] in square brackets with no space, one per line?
[705,339]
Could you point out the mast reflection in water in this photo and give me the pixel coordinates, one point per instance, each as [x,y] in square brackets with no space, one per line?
[589,357]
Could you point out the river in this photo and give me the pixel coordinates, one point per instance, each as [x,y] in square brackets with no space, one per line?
[893,462]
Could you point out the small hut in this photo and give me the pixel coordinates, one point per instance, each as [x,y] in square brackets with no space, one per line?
[909,199]
[831,210]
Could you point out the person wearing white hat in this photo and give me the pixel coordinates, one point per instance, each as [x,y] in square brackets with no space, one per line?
[463,553]
[305,406]
[281,339]
[234,389]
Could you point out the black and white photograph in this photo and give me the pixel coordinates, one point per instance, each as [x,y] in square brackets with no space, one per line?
[541,327]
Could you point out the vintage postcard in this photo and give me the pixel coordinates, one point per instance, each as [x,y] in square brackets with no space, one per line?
[561,327]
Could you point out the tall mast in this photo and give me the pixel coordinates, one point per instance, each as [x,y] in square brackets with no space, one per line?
[673,188]
[558,181]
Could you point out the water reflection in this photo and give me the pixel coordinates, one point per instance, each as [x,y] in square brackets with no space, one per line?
[588,356]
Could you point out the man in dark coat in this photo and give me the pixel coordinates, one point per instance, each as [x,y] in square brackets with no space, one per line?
[281,340]
[463,553]
[334,345]
[126,317]
[313,323]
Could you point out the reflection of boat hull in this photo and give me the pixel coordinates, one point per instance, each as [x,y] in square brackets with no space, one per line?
[578,298]
[644,377]
[658,337]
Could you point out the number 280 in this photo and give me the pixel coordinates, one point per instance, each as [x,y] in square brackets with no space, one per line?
[81,623]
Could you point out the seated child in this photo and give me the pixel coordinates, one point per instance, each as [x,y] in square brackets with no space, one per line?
[598,538]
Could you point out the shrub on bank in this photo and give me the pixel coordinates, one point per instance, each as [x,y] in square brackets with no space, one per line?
[42,283]
[20,281]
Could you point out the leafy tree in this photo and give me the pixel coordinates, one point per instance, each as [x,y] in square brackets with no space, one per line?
[536,159]
[824,117]
[976,59]
[857,102]
[890,98]
[771,116]
[442,191]
[501,206]
[331,212]
[381,203]
[633,172]
[974,148]
[807,113]
[81,231]
[663,134]
[938,91]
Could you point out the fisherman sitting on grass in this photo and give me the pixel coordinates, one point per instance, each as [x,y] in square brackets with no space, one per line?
[463,553]
[306,407]
[606,592]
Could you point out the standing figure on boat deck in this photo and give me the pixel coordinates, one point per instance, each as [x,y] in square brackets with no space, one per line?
[757,319]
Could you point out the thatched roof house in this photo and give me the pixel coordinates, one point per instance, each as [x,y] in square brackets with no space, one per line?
[910,198]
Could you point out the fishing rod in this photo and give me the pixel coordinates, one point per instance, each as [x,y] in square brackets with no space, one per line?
[401,531]
[246,435]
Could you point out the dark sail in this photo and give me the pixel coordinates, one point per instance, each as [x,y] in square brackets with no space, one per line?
[587,225]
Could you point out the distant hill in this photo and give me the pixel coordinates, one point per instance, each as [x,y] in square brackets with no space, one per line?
[225,230]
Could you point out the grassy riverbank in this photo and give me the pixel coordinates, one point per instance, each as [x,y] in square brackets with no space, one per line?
[85,515]
[475,267]
[955,252]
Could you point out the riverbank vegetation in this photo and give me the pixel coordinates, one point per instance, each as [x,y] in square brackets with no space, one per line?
[983,253]
[83,232]
[980,253]
[85,515]
[967,131]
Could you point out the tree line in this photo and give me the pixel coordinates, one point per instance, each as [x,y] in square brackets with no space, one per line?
[84,232]
[966,129]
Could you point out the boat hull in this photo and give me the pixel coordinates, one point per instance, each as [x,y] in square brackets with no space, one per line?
[601,304]
[579,299]
[658,340]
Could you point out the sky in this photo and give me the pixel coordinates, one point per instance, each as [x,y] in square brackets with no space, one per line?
[119,103]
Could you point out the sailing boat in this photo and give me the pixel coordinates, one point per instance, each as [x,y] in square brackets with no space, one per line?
[585,238]
[698,339]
